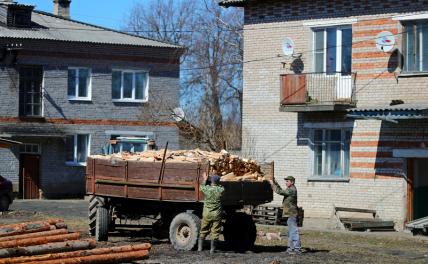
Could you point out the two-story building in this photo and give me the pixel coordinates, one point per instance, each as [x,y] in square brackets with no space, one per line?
[336,93]
[68,87]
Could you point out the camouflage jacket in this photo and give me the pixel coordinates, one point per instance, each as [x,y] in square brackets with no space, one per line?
[212,202]
[289,203]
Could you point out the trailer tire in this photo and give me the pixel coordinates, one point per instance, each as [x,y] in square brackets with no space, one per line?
[102,224]
[184,231]
[94,203]
[240,232]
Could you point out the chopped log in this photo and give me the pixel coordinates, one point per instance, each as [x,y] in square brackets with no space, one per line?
[38,240]
[104,258]
[75,254]
[60,225]
[48,248]
[24,228]
[37,234]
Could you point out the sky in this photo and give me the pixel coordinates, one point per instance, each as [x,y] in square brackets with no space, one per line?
[106,13]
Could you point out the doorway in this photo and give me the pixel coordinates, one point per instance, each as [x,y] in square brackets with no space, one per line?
[417,189]
[29,176]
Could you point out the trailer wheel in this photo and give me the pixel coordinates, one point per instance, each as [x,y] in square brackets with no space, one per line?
[94,203]
[102,224]
[184,231]
[240,232]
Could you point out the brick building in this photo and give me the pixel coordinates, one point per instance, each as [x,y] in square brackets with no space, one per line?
[69,87]
[346,112]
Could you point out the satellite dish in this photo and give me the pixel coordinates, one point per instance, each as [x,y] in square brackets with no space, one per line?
[178,114]
[385,41]
[288,47]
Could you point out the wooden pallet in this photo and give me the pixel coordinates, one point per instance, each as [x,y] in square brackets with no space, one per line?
[270,215]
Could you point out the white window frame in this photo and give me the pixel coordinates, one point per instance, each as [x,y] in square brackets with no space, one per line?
[76,88]
[325,177]
[420,46]
[25,145]
[74,162]
[339,29]
[132,100]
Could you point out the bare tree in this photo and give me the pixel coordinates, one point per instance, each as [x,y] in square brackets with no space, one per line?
[211,77]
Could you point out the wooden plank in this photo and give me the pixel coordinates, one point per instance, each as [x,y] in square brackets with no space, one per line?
[355,210]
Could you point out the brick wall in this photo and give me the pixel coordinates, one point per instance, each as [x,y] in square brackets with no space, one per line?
[64,117]
[377,179]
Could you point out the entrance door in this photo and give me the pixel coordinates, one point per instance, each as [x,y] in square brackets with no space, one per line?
[418,189]
[29,176]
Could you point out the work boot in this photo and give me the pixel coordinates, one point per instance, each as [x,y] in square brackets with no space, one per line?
[200,244]
[213,246]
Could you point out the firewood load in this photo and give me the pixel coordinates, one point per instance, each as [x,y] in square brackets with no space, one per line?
[229,167]
[49,242]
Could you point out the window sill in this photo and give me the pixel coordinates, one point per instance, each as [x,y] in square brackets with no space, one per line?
[79,99]
[327,179]
[75,164]
[412,74]
[128,101]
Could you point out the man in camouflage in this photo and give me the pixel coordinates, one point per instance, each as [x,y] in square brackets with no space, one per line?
[289,204]
[212,212]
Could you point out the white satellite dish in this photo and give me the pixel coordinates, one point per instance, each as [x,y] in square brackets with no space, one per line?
[288,47]
[178,114]
[385,41]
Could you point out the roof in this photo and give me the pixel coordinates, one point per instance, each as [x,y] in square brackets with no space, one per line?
[52,27]
[6,143]
[228,3]
[391,112]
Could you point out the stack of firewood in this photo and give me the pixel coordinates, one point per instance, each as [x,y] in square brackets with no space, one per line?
[49,242]
[229,167]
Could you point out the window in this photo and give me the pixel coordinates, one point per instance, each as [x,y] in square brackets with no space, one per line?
[29,148]
[128,144]
[30,91]
[331,153]
[77,149]
[79,84]
[130,85]
[332,50]
[415,46]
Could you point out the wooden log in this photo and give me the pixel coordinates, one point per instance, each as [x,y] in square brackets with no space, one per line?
[75,254]
[37,234]
[24,228]
[38,240]
[60,225]
[102,259]
[55,247]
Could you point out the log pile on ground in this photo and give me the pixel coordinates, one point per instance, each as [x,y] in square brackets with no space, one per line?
[229,167]
[49,242]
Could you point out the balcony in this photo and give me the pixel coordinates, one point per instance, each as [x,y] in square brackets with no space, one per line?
[307,92]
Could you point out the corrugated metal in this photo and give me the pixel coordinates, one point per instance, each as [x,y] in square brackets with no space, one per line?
[51,27]
[232,2]
[399,107]
[391,113]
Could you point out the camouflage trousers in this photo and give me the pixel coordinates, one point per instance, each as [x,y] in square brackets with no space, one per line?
[210,226]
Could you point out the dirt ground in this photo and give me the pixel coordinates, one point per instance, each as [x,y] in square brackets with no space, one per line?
[321,246]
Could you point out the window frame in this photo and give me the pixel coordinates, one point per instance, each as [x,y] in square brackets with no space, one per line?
[329,177]
[22,112]
[75,145]
[419,48]
[23,148]
[134,72]
[77,82]
[338,46]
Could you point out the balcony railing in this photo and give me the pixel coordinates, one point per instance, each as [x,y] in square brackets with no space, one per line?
[318,89]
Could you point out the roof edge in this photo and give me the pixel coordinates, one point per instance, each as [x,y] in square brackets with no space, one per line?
[235,3]
[172,46]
